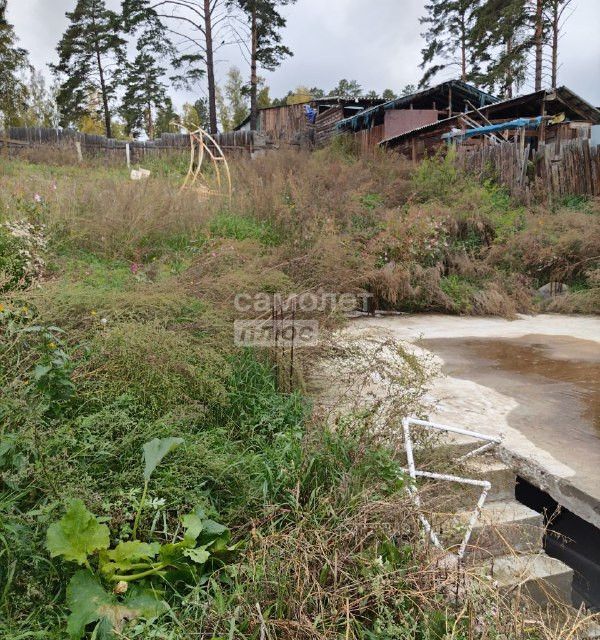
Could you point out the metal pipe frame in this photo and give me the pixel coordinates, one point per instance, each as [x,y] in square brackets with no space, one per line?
[490,442]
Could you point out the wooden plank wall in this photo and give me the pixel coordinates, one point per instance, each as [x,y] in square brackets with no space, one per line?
[559,168]
[284,124]
[369,139]
[325,127]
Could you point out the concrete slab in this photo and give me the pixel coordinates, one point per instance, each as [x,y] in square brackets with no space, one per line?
[543,438]
[504,527]
[501,476]
[542,577]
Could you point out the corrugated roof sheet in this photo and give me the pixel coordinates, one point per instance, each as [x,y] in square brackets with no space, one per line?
[364,118]
[565,95]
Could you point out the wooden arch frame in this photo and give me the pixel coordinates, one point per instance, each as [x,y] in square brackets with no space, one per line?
[203,145]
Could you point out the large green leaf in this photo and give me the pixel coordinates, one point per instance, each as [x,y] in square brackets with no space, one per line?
[193,528]
[125,555]
[89,603]
[199,555]
[133,551]
[155,451]
[77,534]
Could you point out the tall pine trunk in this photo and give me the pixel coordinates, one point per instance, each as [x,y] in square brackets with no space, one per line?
[509,78]
[555,34]
[103,89]
[463,49]
[253,71]
[210,68]
[107,123]
[539,43]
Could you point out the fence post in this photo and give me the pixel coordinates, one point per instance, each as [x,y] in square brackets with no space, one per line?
[79,153]
[128,155]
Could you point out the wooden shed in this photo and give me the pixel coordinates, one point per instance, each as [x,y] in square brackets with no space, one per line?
[536,118]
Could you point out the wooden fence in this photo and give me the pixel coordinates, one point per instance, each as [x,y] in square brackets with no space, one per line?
[557,169]
[19,138]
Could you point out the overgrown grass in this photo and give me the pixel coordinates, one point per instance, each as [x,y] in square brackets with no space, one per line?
[125,335]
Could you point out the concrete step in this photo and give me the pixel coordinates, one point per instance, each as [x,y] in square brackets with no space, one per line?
[502,478]
[543,578]
[504,527]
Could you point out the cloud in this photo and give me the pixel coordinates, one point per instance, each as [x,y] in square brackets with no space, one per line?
[377,43]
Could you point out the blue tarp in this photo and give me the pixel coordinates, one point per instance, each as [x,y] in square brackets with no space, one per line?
[519,123]
[311,114]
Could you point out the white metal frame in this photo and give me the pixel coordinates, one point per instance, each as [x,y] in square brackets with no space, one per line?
[490,442]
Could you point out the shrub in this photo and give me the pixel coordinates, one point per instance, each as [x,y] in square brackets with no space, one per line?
[21,247]
[159,366]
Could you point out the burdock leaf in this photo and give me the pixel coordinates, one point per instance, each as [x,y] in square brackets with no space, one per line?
[89,602]
[133,551]
[193,528]
[127,554]
[199,555]
[77,534]
[155,451]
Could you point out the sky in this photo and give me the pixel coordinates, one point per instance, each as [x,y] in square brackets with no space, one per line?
[376,42]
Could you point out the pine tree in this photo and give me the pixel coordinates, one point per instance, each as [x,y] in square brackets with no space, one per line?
[501,44]
[449,32]
[13,61]
[388,95]
[165,117]
[266,48]
[556,18]
[145,89]
[509,34]
[201,27]
[91,56]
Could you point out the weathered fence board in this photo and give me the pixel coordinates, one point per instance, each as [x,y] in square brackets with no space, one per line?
[561,168]
[19,137]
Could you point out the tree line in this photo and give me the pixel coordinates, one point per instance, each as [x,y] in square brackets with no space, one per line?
[500,45]
[176,41]
[115,68]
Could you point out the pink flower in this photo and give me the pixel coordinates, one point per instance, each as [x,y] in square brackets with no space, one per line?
[135,267]
[37,197]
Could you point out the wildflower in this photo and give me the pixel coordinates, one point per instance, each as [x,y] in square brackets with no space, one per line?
[104,321]
[94,313]
[25,310]
[37,197]
[135,267]
[52,346]
[1,308]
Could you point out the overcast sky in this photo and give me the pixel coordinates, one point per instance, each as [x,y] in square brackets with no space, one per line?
[376,42]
